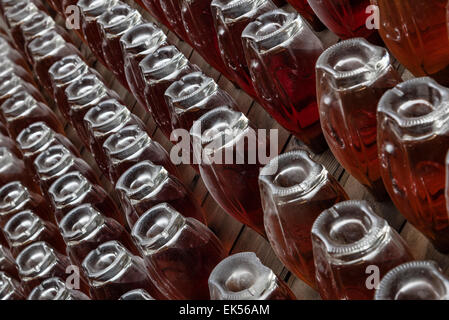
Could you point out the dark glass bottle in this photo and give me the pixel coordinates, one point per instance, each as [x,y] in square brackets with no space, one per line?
[242,276]
[180,253]
[145,185]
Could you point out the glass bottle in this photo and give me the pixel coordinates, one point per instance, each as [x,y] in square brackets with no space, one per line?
[281,51]
[137,294]
[84,229]
[9,144]
[45,51]
[7,263]
[73,189]
[346,18]
[160,69]
[231,180]
[412,121]
[11,85]
[18,14]
[131,145]
[91,10]
[242,276]
[26,227]
[14,169]
[352,76]
[179,252]
[145,185]
[83,94]
[38,262]
[198,24]
[102,121]
[57,161]
[303,7]
[416,280]
[63,73]
[155,9]
[348,239]
[8,67]
[114,23]
[172,13]
[7,51]
[113,271]
[295,190]
[15,197]
[10,289]
[37,138]
[56,289]
[416,34]
[231,17]
[137,43]
[22,110]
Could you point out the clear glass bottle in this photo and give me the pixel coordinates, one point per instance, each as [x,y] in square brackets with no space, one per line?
[84,228]
[160,69]
[137,43]
[412,121]
[137,294]
[102,121]
[346,18]
[38,262]
[91,10]
[55,162]
[114,23]
[131,145]
[63,73]
[416,280]
[14,169]
[18,14]
[348,239]
[295,190]
[56,289]
[37,138]
[198,24]
[281,51]
[231,17]
[7,51]
[232,180]
[113,271]
[22,110]
[11,85]
[82,95]
[45,51]
[145,185]
[242,276]
[352,76]
[15,197]
[73,189]
[8,67]
[416,34]
[179,252]
[7,263]
[26,227]
[10,289]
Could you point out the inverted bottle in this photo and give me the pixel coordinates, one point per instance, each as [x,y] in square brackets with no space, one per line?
[14,169]
[352,76]
[348,239]
[242,276]
[179,252]
[281,51]
[294,191]
[416,280]
[145,185]
[412,120]
[56,289]
[8,264]
[10,289]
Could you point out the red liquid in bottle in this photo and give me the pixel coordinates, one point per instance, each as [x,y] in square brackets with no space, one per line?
[7,51]
[7,263]
[160,69]
[137,43]
[180,253]
[14,169]
[8,143]
[155,9]
[73,189]
[55,162]
[146,185]
[8,67]
[104,120]
[132,145]
[10,289]
[56,289]
[303,7]
[11,85]
[281,51]
[84,229]
[172,12]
